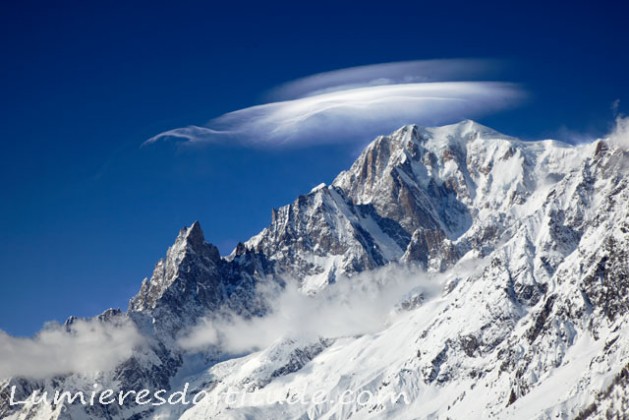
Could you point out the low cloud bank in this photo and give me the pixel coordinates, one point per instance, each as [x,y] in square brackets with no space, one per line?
[360,305]
[90,346]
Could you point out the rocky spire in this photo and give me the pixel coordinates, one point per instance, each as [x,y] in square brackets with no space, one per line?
[190,260]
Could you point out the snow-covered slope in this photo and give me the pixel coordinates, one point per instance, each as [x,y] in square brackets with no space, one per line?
[455,272]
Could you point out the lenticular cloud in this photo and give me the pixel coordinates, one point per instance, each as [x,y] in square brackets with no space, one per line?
[422,71]
[354,104]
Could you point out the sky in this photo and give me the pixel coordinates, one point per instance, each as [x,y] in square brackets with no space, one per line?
[87,210]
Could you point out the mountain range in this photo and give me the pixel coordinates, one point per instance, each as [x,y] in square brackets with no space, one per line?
[450,272]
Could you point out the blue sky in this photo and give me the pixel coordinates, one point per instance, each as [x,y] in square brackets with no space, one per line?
[86,212]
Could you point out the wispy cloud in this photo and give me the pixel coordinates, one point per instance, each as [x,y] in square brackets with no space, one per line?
[351,104]
[89,346]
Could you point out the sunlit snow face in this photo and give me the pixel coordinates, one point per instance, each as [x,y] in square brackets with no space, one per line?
[356,103]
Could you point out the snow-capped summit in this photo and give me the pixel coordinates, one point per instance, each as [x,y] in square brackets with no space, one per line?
[514,255]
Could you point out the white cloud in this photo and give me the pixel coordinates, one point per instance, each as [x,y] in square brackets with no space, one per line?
[620,134]
[419,71]
[616,107]
[91,346]
[357,104]
[362,304]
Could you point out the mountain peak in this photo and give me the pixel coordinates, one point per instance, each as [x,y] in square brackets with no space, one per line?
[180,266]
[467,129]
[191,237]
[459,129]
[195,232]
